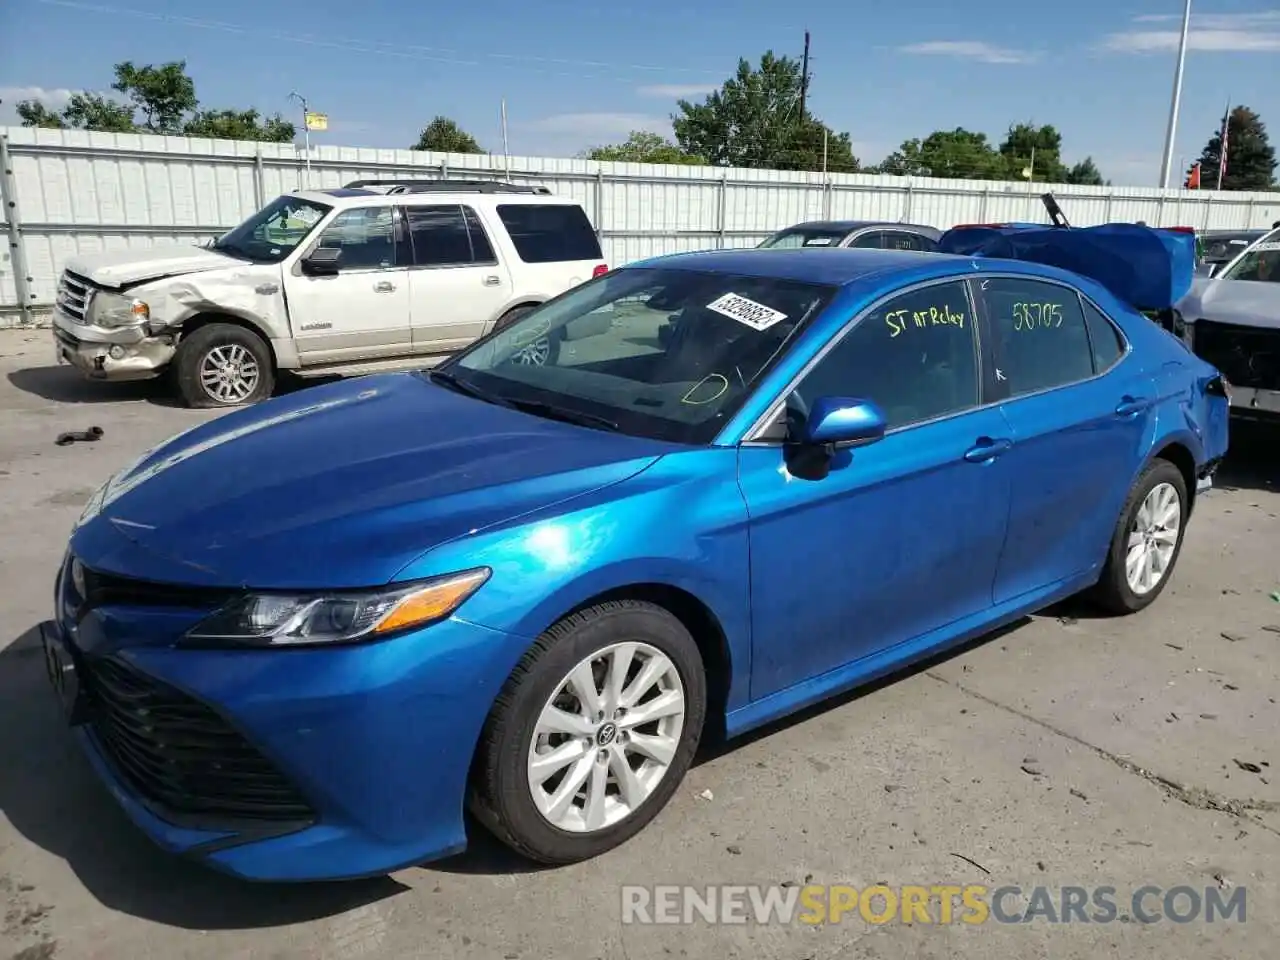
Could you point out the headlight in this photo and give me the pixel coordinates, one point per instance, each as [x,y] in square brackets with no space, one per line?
[278,619]
[113,310]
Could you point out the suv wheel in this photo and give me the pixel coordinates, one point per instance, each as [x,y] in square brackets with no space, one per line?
[538,352]
[222,365]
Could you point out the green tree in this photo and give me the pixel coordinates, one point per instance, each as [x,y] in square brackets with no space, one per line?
[164,95]
[84,111]
[754,121]
[1085,174]
[1251,159]
[643,146]
[445,136]
[33,113]
[1038,148]
[90,111]
[960,154]
[240,125]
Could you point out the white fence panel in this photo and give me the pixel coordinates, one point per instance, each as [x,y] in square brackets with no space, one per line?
[77,192]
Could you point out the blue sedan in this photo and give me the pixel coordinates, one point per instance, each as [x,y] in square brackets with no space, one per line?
[298,642]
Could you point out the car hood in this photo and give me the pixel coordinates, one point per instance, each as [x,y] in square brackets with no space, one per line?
[1249,303]
[340,486]
[115,268]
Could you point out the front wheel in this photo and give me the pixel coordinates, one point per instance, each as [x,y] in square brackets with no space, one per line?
[592,734]
[223,365]
[1146,542]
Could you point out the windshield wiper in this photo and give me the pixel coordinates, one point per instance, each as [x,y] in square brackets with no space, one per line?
[553,412]
[451,381]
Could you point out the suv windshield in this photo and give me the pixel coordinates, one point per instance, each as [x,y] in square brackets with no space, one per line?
[1261,262]
[657,352]
[805,237]
[273,232]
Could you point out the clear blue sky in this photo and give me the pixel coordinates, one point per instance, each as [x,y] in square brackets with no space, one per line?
[578,73]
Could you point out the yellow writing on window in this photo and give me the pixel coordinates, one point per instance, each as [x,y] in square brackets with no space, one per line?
[900,320]
[1037,316]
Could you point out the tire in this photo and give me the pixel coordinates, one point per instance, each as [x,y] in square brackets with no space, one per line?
[502,795]
[1115,592]
[203,349]
[541,352]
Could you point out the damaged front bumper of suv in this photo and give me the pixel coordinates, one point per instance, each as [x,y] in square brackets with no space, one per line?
[105,335]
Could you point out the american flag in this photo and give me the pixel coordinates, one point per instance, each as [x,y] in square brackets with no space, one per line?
[1222,152]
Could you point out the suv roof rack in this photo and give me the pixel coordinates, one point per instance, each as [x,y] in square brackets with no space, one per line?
[448,186]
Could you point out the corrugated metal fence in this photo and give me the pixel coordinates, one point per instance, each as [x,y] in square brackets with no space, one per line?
[69,192]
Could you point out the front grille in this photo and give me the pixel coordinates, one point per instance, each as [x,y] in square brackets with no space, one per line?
[1246,356]
[181,755]
[102,589]
[74,292]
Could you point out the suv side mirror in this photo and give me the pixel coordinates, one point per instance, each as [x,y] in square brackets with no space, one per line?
[842,422]
[322,261]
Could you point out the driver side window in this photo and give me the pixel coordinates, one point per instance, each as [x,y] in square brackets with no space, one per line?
[915,356]
[370,238]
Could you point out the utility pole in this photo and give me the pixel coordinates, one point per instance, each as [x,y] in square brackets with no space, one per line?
[306,131]
[804,77]
[1176,101]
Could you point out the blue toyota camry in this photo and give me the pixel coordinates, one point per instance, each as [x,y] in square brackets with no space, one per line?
[299,641]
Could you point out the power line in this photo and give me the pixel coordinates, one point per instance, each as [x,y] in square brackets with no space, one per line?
[381,48]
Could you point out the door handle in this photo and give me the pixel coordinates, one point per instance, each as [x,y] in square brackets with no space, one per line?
[384,286]
[1131,406]
[492,280]
[987,449]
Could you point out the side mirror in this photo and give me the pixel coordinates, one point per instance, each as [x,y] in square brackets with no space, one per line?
[322,261]
[842,422]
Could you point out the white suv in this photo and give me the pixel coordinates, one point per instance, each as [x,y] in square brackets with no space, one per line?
[373,276]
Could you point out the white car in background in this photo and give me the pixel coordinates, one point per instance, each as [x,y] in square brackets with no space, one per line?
[1232,320]
[374,276]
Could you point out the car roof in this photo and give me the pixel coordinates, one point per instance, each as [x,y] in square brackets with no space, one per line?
[355,197]
[838,267]
[850,225]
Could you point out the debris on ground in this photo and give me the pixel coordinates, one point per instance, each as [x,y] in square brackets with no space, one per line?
[79,436]
[1246,766]
[706,795]
[1233,637]
[969,860]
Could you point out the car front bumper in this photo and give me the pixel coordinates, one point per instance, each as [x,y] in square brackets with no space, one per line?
[377,738]
[125,353]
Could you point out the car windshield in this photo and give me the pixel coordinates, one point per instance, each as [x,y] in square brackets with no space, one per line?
[1260,263]
[805,237]
[273,232]
[657,352]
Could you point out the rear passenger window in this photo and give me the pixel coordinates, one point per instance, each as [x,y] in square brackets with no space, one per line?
[550,233]
[1041,340]
[440,237]
[1108,347]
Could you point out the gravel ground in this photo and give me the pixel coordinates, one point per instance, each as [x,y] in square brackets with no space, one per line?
[1066,751]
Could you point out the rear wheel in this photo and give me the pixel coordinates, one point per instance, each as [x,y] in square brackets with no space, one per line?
[223,365]
[592,734]
[1146,542]
[542,349]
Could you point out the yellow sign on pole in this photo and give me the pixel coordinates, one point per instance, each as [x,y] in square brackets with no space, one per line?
[317,121]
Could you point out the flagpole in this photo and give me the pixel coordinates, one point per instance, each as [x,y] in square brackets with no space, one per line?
[1222,143]
[506,150]
[1176,102]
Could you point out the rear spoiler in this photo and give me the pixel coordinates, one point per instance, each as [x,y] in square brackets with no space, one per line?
[1150,269]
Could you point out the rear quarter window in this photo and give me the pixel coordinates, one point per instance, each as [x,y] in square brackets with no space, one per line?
[550,233]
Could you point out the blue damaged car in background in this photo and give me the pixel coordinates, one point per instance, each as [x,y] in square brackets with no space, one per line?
[298,642]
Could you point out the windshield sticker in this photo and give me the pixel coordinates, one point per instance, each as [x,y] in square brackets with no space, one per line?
[818,242]
[1269,246]
[307,216]
[755,315]
[899,320]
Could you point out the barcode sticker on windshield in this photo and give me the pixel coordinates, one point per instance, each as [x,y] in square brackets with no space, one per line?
[1269,245]
[817,242]
[755,315]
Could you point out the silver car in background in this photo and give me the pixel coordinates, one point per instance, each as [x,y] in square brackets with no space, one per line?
[873,234]
[1232,320]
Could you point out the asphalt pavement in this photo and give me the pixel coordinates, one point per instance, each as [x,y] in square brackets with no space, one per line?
[1067,751]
